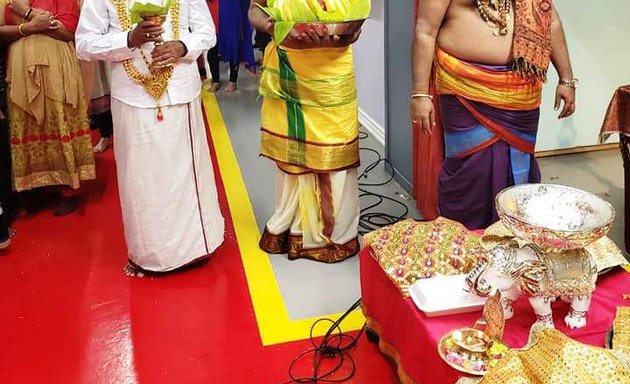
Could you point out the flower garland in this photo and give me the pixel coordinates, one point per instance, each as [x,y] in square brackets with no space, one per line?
[155,83]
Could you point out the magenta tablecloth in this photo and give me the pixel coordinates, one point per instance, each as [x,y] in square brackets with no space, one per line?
[410,339]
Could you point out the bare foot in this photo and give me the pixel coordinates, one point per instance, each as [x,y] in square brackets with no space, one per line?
[102,145]
[132,271]
[214,87]
[230,88]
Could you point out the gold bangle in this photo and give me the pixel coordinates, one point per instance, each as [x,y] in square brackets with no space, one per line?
[28,14]
[421,95]
[21,31]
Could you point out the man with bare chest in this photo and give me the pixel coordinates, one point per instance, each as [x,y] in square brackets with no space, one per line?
[478,71]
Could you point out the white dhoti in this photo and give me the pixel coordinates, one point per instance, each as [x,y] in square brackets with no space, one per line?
[167,189]
[316,217]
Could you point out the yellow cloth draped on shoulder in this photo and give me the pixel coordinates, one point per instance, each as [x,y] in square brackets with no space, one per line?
[50,135]
[309,111]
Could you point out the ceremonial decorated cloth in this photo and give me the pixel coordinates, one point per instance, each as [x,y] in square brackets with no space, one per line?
[621,330]
[552,357]
[531,47]
[484,84]
[49,130]
[309,111]
[412,250]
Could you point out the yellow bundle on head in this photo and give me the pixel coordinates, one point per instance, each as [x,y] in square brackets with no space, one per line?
[286,13]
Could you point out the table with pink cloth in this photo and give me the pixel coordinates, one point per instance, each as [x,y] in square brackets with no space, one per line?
[409,339]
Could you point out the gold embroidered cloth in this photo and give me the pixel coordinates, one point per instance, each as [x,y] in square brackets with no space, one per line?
[621,330]
[50,135]
[552,357]
[412,250]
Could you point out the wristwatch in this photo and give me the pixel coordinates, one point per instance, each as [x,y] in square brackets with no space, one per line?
[573,83]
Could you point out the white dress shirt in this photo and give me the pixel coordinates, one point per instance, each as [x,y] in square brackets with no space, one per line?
[100,37]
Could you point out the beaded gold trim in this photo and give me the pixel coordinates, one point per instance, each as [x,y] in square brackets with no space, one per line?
[156,82]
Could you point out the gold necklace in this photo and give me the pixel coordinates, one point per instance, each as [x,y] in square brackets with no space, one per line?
[496,13]
[156,82]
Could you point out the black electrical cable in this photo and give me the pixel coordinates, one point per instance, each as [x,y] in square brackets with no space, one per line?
[332,346]
[368,219]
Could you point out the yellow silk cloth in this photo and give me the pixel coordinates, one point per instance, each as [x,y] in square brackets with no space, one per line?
[552,357]
[309,110]
[502,89]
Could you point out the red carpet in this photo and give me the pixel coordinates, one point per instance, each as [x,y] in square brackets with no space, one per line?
[69,315]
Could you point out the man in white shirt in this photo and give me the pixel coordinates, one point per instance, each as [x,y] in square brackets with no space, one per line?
[167,190]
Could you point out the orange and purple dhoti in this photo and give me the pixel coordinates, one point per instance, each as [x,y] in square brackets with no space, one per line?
[489,118]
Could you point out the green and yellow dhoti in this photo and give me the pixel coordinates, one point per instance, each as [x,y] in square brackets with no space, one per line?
[310,129]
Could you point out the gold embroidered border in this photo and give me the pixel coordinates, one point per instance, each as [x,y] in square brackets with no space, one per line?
[53,178]
[316,157]
[294,247]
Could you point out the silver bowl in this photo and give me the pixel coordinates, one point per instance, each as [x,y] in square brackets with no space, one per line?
[554,216]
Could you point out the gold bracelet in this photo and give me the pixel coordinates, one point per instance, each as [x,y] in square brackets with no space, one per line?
[420,95]
[21,31]
[28,14]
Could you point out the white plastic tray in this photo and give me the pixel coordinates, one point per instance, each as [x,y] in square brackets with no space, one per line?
[444,295]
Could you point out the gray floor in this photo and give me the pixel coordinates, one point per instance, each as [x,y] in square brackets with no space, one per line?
[312,289]
[309,289]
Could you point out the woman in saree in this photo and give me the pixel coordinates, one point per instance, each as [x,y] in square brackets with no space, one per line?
[50,135]
[8,199]
[234,41]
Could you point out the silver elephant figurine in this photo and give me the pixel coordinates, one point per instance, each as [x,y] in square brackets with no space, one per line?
[542,276]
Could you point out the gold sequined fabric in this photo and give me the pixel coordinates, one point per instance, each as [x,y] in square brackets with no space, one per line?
[621,330]
[553,358]
[411,250]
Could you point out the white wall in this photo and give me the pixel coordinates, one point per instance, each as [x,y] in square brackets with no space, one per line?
[597,33]
[369,54]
